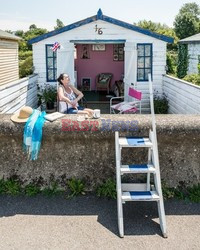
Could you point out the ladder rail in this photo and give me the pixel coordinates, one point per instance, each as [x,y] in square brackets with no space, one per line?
[148,174]
[152,111]
[155,158]
[119,186]
[153,136]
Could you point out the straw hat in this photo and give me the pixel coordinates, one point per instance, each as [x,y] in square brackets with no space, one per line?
[22,115]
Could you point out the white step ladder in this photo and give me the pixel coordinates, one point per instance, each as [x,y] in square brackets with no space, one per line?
[140,191]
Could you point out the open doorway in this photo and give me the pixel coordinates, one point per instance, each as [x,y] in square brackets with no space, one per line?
[99,71]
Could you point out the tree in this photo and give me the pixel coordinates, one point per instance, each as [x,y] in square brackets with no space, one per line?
[192,8]
[33,32]
[59,24]
[149,25]
[9,31]
[32,27]
[159,28]
[187,22]
[19,33]
[155,27]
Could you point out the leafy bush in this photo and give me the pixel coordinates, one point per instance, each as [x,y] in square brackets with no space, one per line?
[193,78]
[198,66]
[26,67]
[49,95]
[161,104]
[182,60]
[171,62]
[23,45]
[24,54]
[107,189]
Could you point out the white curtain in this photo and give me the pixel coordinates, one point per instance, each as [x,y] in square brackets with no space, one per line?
[130,66]
[65,60]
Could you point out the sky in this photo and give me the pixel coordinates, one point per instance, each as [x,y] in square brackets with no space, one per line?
[20,14]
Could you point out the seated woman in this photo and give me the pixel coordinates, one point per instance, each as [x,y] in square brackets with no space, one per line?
[66,94]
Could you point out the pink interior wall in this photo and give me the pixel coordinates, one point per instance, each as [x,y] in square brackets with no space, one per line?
[99,62]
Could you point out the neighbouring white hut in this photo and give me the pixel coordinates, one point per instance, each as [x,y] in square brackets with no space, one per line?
[9,62]
[193,45]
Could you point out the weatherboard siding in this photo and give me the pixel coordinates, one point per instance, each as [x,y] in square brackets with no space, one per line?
[184,97]
[17,94]
[9,63]
[193,53]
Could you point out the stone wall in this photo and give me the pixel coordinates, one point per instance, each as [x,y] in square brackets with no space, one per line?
[90,155]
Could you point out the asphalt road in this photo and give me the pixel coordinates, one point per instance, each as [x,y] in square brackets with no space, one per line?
[88,222]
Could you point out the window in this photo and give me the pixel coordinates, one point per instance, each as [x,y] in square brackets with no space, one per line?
[144,61]
[51,64]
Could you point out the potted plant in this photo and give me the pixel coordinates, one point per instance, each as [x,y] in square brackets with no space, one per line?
[49,95]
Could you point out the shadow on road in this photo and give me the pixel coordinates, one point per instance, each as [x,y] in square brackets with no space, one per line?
[140,218]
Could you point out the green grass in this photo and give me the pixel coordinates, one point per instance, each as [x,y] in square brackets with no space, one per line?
[31,190]
[53,189]
[11,187]
[194,193]
[2,187]
[76,187]
[107,189]
[182,193]
[168,193]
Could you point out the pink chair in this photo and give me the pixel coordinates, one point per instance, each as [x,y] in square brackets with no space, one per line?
[127,107]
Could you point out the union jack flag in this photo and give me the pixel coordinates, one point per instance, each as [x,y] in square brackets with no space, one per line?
[55,46]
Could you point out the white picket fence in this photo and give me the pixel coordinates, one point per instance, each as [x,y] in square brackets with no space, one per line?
[183,97]
[17,94]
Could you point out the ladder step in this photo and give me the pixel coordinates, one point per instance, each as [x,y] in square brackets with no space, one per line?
[137,168]
[140,196]
[130,187]
[135,142]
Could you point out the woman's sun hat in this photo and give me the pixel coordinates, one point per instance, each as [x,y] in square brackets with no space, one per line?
[22,115]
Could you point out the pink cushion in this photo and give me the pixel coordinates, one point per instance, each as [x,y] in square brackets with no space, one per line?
[133,110]
[134,93]
[125,106]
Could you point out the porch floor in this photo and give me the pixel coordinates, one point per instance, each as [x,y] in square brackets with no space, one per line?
[100,96]
[98,100]
[104,107]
